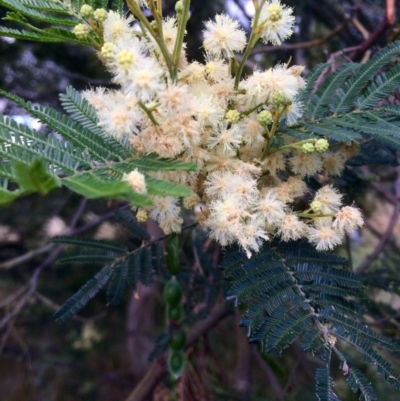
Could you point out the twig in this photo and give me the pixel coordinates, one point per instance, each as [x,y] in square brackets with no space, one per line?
[9,264]
[292,374]
[271,378]
[302,45]
[158,370]
[388,233]
[32,283]
[388,20]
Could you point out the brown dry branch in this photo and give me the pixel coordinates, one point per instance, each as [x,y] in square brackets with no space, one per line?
[388,233]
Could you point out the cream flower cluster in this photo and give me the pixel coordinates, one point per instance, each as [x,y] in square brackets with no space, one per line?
[250,179]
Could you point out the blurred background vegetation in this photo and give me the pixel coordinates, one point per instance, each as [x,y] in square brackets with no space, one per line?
[103,353]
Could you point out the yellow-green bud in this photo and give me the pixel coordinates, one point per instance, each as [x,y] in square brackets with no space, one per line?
[232,116]
[108,49]
[275,12]
[308,148]
[316,206]
[141,216]
[81,31]
[125,59]
[321,145]
[100,15]
[265,118]
[86,11]
[154,25]
[179,7]
[278,99]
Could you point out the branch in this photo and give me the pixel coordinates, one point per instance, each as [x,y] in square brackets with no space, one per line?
[388,233]
[158,370]
[270,375]
[33,281]
[9,264]
[387,21]
[302,45]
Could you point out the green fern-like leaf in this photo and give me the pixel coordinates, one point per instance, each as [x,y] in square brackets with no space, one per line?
[325,383]
[123,266]
[305,94]
[82,112]
[102,245]
[28,11]
[380,88]
[92,258]
[292,291]
[117,286]
[345,106]
[351,90]
[84,295]
[323,97]
[357,382]
[126,219]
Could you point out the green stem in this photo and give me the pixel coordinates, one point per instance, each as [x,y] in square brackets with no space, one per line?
[277,117]
[135,9]
[176,55]
[313,216]
[248,112]
[296,145]
[254,37]
[150,115]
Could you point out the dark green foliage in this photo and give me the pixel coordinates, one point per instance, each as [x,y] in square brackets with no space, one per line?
[84,295]
[351,103]
[122,266]
[325,383]
[126,219]
[291,291]
[357,382]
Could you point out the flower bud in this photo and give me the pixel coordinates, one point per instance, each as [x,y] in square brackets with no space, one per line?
[232,116]
[265,118]
[86,11]
[278,99]
[108,50]
[179,7]
[141,216]
[81,31]
[125,59]
[316,206]
[100,15]
[308,147]
[275,12]
[321,145]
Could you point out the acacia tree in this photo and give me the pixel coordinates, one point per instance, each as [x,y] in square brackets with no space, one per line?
[262,161]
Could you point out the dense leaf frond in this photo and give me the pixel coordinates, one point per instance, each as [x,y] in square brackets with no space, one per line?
[358,382]
[323,96]
[126,219]
[325,384]
[305,95]
[89,243]
[117,286]
[291,290]
[84,295]
[351,90]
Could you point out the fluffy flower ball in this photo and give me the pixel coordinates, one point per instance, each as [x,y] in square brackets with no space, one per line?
[224,36]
